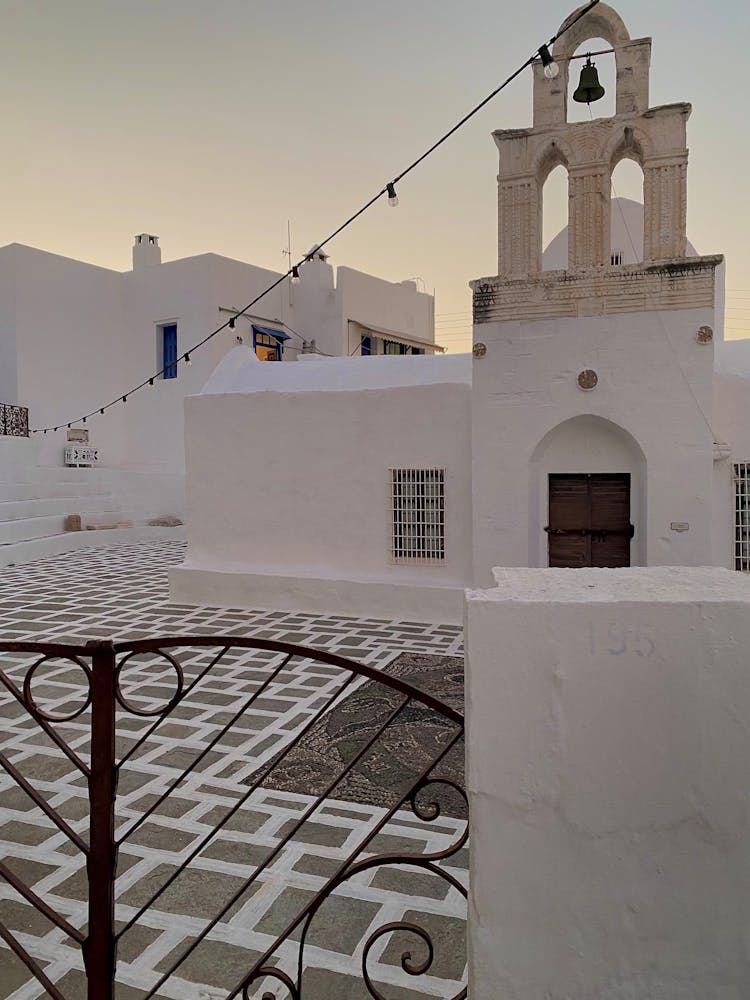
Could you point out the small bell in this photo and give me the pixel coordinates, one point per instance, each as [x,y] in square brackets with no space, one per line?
[589,88]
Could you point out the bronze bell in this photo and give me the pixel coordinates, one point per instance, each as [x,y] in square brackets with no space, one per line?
[589,88]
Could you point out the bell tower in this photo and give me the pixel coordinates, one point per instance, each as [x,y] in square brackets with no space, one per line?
[601,372]
[654,137]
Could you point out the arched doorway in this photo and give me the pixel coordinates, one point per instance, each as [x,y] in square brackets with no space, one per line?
[587,492]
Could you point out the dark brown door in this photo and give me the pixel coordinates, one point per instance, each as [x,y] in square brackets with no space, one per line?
[589,520]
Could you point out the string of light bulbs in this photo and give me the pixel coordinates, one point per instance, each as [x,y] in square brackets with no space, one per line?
[551,70]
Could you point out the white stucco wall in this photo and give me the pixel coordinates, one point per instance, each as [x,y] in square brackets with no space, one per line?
[653,403]
[70,352]
[8,362]
[294,483]
[732,427]
[382,305]
[733,357]
[74,337]
[607,761]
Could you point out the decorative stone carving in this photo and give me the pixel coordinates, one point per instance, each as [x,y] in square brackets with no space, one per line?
[686,283]
[587,380]
[81,454]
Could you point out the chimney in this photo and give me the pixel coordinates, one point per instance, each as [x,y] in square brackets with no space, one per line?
[146,251]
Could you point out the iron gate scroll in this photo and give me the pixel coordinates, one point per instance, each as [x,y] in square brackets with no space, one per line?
[102,667]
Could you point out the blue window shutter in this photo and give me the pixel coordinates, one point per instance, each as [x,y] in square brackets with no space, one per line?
[169,350]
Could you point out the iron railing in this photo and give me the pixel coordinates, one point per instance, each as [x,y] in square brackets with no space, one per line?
[103,696]
[14,420]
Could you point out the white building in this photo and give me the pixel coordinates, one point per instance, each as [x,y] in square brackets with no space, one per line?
[589,428]
[75,337]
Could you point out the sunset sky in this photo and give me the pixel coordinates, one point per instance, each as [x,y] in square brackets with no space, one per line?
[213,123]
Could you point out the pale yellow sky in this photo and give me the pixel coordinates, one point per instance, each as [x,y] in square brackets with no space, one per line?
[213,124]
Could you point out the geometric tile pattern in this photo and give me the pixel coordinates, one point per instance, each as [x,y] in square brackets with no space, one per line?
[121,593]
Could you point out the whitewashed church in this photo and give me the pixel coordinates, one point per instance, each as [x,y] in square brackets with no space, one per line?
[599,421]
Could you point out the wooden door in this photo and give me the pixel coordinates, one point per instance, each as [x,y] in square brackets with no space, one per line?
[589,520]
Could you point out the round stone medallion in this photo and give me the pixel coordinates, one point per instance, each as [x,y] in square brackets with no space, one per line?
[588,380]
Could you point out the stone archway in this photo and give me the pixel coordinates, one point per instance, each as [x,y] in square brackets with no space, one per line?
[586,445]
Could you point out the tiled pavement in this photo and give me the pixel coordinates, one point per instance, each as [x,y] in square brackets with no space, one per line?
[121,593]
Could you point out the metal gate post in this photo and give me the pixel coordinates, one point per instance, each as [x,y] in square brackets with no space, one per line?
[99,949]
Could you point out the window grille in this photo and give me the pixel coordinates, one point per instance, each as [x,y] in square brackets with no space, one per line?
[742,517]
[418,511]
[616,258]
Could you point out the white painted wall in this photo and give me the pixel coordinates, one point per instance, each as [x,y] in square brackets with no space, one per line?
[293,482]
[74,337]
[732,426]
[655,385]
[8,361]
[607,761]
[733,357]
[70,353]
[383,306]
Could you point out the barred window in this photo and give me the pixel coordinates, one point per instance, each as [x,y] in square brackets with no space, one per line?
[742,516]
[418,511]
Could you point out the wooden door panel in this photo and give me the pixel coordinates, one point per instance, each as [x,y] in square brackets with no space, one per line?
[569,510]
[589,520]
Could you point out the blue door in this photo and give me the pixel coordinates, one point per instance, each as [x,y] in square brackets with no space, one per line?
[169,350]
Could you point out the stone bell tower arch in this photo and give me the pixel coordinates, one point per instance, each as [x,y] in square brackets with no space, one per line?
[600,339]
[654,137]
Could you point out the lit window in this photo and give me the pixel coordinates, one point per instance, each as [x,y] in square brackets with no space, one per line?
[418,514]
[268,343]
[742,517]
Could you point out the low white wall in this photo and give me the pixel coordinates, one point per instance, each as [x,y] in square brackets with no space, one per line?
[297,485]
[607,763]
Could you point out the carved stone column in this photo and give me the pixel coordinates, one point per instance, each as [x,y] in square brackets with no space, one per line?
[588,194]
[519,237]
[665,208]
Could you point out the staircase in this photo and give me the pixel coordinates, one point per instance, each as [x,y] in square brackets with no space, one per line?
[36,500]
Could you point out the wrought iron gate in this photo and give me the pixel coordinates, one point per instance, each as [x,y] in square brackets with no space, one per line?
[104,694]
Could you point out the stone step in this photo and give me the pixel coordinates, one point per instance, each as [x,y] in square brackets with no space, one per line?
[16,510]
[53,474]
[26,528]
[22,490]
[14,553]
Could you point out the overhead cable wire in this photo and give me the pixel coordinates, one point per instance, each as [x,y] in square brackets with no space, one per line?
[389,189]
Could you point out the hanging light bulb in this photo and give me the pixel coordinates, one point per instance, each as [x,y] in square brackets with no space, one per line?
[84,420]
[124,399]
[551,69]
[295,275]
[151,380]
[102,411]
[231,323]
[392,196]
[188,362]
